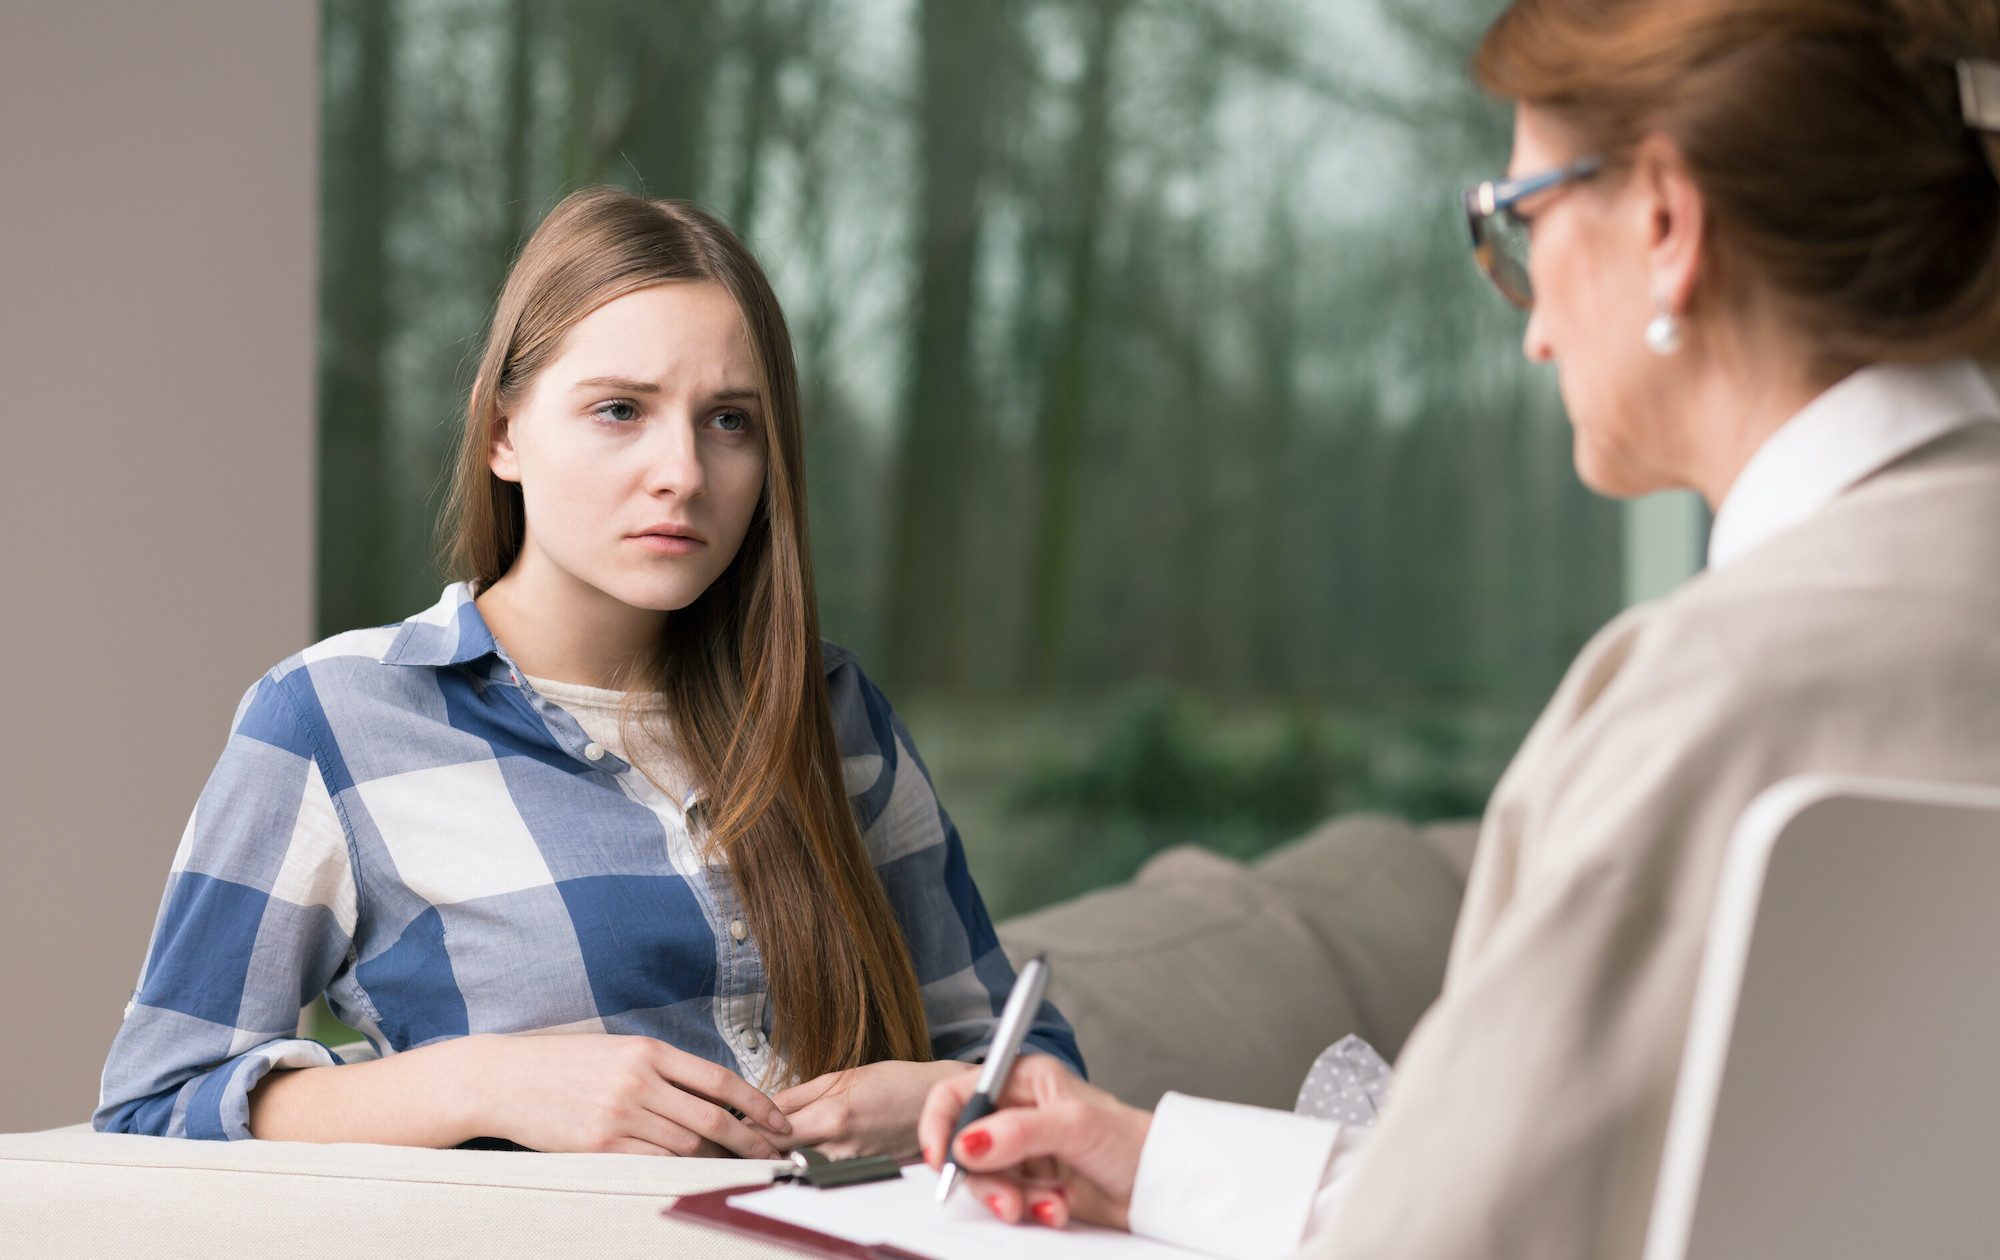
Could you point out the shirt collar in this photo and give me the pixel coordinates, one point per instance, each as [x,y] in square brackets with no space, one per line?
[449,632]
[1860,426]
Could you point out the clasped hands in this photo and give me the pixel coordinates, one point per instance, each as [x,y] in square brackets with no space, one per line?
[1057,1150]
[638,1095]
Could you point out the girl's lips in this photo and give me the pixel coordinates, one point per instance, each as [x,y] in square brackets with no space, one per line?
[668,544]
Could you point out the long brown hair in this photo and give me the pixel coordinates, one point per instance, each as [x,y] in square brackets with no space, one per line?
[1826,136]
[740,668]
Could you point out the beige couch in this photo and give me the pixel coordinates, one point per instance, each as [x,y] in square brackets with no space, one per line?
[1200,974]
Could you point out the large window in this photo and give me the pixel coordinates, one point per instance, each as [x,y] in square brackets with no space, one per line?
[1170,466]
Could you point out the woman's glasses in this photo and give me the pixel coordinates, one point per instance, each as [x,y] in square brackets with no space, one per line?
[1500,233]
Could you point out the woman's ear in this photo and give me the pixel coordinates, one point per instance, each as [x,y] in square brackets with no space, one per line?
[1674,220]
[500,456]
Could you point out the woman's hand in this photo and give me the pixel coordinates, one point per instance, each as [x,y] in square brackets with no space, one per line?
[870,1110]
[627,1094]
[1057,1149]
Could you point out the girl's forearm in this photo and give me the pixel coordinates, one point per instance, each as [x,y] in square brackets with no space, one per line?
[431,1096]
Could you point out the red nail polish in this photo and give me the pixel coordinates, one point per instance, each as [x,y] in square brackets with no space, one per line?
[1045,1212]
[976,1143]
[994,1205]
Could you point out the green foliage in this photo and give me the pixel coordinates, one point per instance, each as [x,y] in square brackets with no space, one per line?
[1164,769]
[1160,760]
[1448,772]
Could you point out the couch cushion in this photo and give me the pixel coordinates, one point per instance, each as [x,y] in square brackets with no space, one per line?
[1213,978]
[1383,898]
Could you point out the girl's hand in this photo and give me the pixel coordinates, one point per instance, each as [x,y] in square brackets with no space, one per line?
[870,1110]
[1057,1149]
[604,1092]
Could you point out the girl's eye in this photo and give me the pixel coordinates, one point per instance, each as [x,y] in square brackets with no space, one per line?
[731,421]
[617,411]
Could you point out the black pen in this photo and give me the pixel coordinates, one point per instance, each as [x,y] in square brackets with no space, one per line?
[1022,1004]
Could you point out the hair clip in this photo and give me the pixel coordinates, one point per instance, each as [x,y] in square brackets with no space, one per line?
[1979,93]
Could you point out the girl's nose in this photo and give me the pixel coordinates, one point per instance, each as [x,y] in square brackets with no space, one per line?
[673,460]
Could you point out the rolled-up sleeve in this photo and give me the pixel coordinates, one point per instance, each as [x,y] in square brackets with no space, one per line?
[963,973]
[257,919]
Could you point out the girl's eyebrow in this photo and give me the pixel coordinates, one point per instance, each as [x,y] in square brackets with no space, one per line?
[625,383]
[734,393]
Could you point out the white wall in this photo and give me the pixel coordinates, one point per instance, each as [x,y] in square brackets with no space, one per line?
[157,245]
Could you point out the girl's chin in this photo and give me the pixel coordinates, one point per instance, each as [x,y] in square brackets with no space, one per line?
[654,596]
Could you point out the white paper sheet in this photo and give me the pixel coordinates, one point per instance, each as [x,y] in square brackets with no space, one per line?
[903,1214]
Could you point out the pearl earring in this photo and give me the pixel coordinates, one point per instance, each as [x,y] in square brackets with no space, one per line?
[1663,333]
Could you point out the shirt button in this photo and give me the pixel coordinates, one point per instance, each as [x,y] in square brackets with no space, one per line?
[594,751]
[737,930]
[750,1041]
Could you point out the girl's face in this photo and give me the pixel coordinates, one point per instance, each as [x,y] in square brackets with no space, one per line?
[640,449]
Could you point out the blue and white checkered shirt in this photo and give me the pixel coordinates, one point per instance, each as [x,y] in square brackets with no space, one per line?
[403,824]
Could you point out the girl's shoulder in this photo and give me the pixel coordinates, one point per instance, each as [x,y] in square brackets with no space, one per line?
[836,657]
[864,725]
[861,714]
[879,761]
[394,665]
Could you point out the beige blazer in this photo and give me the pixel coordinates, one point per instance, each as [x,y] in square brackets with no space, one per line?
[1531,1102]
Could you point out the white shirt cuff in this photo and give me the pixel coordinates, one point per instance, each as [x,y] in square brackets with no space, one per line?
[1231,1180]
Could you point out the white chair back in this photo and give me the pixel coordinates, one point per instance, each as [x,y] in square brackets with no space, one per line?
[1840,1095]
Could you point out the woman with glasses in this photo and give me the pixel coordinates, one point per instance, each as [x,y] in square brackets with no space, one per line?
[1759,240]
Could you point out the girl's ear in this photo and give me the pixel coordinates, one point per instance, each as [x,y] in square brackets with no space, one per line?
[501,458]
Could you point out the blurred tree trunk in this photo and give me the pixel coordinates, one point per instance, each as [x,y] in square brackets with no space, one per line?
[664,135]
[767,54]
[639,73]
[942,404]
[1272,430]
[516,138]
[1065,399]
[355,316]
[587,43]
[1195,428]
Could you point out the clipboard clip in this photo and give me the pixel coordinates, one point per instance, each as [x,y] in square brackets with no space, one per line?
[811,1167]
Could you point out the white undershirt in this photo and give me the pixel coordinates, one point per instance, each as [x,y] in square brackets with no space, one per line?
[598,711]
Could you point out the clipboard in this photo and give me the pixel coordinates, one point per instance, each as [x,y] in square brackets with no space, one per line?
[839,1230]
[714,1209]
